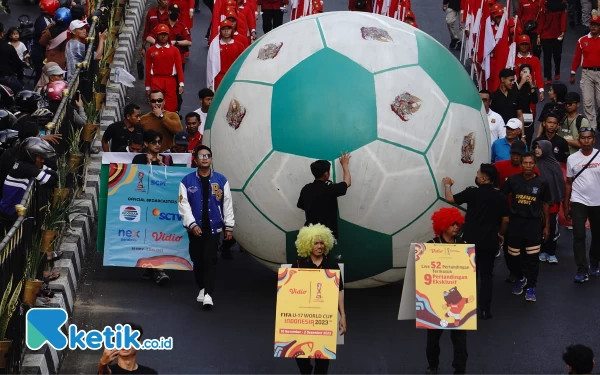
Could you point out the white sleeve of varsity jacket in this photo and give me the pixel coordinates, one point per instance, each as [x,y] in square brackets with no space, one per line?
[185,210]
[228,208]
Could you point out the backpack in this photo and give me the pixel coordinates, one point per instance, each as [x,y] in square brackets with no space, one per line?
[360,4]
[578,122]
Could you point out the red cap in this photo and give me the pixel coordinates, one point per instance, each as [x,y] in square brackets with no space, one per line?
[161,29]
[498,12]
[230,12]
[226,23]
[523,39]
[410,14]
[595,19]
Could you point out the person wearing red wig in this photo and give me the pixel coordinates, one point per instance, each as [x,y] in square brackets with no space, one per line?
[446,224]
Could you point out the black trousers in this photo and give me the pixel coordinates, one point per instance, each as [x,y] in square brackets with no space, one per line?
[459,342]
[203,253]
[549,247]
[321,366]
[272,18]
[524,247]
[529,128]
[580,213]
[485,271]
[552,49]
[209,4]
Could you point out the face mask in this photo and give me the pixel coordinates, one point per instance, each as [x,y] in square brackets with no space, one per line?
[173,16]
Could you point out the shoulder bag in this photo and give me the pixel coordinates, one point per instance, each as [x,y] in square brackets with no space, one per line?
[586,166]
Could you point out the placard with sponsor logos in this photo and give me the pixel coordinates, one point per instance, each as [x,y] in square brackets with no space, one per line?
[445,286]
[306,321]
[143,225]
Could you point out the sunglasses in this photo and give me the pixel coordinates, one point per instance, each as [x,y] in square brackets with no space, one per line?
[156,100]
[585,129]
[204,156]
[157,142]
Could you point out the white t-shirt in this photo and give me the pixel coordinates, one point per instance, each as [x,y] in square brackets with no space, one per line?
[21,49]
[496,125]
[585,187]
[202,119]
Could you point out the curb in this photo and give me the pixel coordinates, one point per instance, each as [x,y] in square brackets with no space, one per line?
[79,239]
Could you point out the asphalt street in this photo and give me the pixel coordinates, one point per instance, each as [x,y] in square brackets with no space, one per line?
[237,335]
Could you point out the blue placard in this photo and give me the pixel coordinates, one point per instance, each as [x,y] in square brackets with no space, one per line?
[143,225]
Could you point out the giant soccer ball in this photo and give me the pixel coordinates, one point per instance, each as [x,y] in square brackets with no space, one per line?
[388,93]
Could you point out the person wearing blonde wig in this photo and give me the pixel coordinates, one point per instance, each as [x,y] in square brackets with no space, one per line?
[313,244]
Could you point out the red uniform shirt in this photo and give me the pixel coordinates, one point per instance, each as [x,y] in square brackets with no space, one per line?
[228,53]
[586,53]
[153,19]
[249,17]
[242,39]
[163,61]
[528,11]
[536,68]
[552,24]
[184,11]
[177,32]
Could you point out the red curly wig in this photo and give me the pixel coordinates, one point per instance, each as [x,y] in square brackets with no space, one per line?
[445,217]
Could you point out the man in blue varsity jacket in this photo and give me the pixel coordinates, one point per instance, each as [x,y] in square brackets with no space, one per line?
[207,213]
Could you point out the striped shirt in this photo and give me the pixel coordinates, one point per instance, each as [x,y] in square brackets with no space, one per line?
[16,184]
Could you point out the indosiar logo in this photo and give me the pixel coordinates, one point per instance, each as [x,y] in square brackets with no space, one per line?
[44,326]
[166,215]
[130,213]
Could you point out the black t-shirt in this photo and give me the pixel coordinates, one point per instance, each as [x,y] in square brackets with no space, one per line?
[528,196]
[506,106]
[143,159]
[319,202]
[205,197]
[141,370]
[441,239]
[560,146]
[486,208]
[118,135]
[326,264]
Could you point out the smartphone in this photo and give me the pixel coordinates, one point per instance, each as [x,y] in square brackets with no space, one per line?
[77,95]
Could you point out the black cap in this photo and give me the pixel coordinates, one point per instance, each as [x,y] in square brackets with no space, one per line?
[174,8]
[517,147]
[572,97]
[182,138]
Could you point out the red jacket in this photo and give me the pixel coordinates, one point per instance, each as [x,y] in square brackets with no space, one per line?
[552,24]
[586,53]
[163,61]
[528,11]
[177,32]
[153,19]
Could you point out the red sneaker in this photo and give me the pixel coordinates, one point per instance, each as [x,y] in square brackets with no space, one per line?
[548,82]
[557,77]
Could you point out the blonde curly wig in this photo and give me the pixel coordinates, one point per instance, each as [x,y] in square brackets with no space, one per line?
[308,235]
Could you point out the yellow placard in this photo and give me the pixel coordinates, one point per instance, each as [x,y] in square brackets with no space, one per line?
[446,286]
[307,313]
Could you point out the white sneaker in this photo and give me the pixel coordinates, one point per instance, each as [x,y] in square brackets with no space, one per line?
[207,300]
[200,297]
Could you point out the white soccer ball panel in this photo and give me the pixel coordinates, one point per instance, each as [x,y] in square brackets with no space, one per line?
[276,186]
[362,36]
[410,106]
[383,279]
[461,145]
[385,178]
[421,230]
[487,129]
[299,41]
[233,155]
[257,233]
[206,137]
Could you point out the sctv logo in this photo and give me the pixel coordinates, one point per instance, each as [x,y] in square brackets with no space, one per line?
[158,183]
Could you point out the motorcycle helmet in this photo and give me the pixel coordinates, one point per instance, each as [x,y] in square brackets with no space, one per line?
[42,116]
[65,3]
[49,6]
[27,101]
[7,120]
[34,146]
[62,17]
[55,89]
[8,138]
[7,97]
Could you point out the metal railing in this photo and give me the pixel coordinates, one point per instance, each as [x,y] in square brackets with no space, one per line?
[19,238]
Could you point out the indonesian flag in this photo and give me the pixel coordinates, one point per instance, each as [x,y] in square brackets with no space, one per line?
[512,49]
[485,42]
